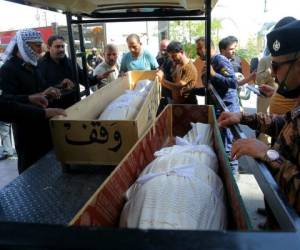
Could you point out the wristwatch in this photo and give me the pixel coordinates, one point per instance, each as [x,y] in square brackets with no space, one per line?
[271,155]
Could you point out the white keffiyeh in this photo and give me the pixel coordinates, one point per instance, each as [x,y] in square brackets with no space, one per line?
[21,39]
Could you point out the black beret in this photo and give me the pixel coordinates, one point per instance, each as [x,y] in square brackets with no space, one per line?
[284,40]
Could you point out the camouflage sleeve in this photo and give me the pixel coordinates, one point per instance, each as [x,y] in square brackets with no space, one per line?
[268,124]
[287,176]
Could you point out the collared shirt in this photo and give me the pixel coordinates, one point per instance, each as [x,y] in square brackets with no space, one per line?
[104,67]
[145,61]
[187,74]
[286,130]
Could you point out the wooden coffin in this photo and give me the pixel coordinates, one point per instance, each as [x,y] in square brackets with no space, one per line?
[105,206]
[80,138]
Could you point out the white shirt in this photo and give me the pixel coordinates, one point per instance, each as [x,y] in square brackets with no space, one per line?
[104,67]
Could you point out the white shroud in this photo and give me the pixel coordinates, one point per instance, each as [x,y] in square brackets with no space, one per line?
[127,105]
[178,190]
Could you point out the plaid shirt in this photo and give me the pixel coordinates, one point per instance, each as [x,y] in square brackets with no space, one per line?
[286,129]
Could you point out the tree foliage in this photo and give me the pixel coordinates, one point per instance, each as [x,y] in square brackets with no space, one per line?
[187,32]
[251,50]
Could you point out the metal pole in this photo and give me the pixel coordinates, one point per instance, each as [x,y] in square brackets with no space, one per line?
[83,57]
[73,54]
[207,43]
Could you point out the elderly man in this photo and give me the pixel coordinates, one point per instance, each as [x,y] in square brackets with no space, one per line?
[108,70]
[184,76]
[137,58]
[283,158]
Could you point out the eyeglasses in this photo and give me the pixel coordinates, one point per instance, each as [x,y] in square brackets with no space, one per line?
[276,65]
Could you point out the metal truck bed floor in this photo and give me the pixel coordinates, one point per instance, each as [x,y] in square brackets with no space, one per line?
[44,194]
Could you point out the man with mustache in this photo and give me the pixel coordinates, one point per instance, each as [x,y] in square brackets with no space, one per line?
[56,70]
[108,70]
[137,58]
[184,76]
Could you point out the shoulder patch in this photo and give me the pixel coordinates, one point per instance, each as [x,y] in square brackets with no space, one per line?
[224,71]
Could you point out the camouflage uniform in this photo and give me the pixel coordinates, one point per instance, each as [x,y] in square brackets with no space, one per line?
[286,130]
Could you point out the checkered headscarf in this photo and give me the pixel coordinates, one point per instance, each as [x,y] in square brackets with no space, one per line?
[21,39]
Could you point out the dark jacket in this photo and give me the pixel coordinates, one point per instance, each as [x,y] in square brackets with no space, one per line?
[53,73]
[15,110]
[32,140]
[166,65]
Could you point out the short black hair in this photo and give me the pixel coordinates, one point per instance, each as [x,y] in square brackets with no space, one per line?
[174,47]
[52,38]
[227,41]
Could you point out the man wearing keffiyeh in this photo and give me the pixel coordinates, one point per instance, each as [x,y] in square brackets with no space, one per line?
[19,76]
[29,43]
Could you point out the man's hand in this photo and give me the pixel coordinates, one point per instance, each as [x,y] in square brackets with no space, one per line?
[39,100]
[251,147]
[104,75]
[267,90]
[52,92]
[227,119]
[67,84]
[50,112]
[160,75]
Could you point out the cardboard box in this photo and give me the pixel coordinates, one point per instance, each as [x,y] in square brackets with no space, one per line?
[105,206]
[80,138]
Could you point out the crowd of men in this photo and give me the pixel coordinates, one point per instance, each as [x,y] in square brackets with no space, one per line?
[35,88]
